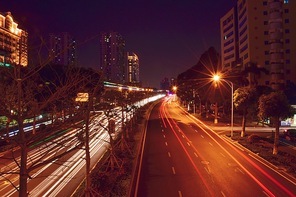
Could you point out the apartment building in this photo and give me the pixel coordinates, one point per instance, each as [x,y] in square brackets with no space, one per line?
[113,57]
[63,49]
[133,68]
[13,42]
[260,32]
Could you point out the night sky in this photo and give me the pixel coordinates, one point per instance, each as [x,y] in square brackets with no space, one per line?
[169,36]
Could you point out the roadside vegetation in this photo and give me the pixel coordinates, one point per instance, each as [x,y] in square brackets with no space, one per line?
[285,160]
[262,144]
[116,180]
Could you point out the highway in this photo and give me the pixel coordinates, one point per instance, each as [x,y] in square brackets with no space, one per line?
[184,157]
[51,179]
[62,176]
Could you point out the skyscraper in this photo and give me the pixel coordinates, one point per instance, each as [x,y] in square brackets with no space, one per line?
[13,42]
[261,33]
[113,57]
[62,49]
[133,68]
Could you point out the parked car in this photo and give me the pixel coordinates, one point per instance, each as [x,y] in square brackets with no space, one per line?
[290,134]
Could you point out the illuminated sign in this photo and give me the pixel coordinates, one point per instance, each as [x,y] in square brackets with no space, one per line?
[81,97]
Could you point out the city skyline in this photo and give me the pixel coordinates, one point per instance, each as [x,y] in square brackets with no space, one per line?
[169,37]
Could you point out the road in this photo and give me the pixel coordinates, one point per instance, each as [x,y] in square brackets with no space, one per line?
[184,157]
[62,176]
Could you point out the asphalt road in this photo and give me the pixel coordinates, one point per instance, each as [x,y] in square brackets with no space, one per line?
[184,157]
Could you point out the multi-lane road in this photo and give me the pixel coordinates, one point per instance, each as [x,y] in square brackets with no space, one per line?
[183,157]
[62,176]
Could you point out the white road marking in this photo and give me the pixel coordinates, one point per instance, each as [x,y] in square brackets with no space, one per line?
[180,193]
[195,154]
[173,169]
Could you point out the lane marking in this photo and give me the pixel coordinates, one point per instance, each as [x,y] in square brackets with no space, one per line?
[207,170]
[173,169]
[180,193]
[238,169]
[210,143]
[166,143]
[195,154]
[169,154]
[202,136]
[265,193]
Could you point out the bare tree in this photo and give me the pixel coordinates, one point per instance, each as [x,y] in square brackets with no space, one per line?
[29,92]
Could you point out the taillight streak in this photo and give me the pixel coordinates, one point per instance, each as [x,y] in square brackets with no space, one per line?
[183,147]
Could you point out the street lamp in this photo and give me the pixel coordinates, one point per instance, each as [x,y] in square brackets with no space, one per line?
[175,92]
[230,84]
[175,89]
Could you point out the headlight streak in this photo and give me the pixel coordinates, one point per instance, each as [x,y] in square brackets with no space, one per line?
[102,137]
[36,153]
[66,172]
[33,156]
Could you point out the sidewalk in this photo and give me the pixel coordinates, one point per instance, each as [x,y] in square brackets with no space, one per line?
[263,131]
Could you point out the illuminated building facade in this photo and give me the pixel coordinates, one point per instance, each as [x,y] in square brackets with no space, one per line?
[13,42]
[113,57]
[62,49]
[228,26]
[261,33]
[133,69]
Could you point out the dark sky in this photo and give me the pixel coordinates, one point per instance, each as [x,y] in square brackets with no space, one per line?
[169,36]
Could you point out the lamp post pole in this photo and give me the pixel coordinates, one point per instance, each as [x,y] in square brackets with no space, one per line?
[231,134]
[230,84]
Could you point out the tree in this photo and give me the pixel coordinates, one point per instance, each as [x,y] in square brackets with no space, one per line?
[276,107]
[243,99]
[28,94]
[253,72]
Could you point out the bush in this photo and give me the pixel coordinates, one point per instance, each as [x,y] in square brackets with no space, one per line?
[253,138]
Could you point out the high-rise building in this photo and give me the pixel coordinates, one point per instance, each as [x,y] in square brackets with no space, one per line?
[261,33]
[13,42]
[62,49]
[133,69]
[113,57]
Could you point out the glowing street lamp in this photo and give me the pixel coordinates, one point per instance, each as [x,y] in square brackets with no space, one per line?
[175,89]
[230,84]
[175,92]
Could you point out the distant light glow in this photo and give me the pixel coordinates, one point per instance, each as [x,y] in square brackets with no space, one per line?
[216,77]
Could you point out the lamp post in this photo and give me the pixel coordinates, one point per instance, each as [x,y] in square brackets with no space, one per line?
[230,84]
[175,92]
